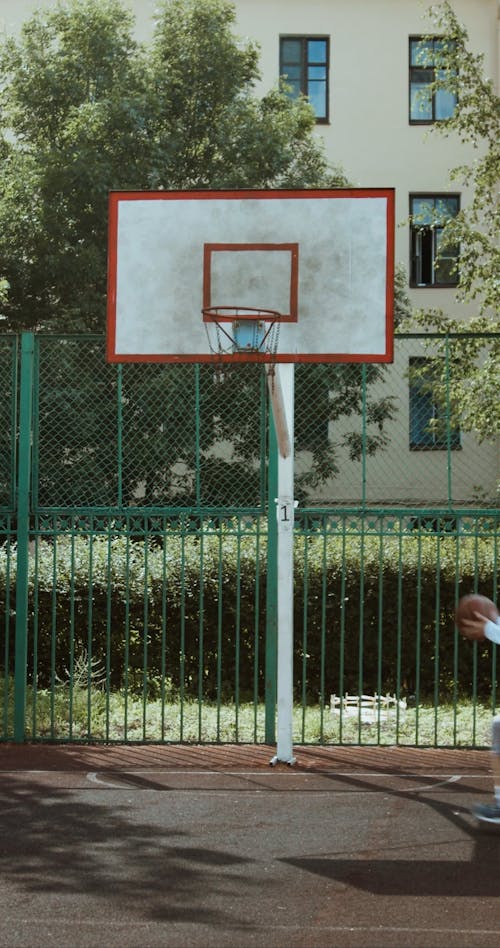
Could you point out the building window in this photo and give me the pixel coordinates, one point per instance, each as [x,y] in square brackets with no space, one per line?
[433,259]
[304,65]
[428,105]
[429,426]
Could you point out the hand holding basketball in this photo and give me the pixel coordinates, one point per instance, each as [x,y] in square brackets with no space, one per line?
[472,613]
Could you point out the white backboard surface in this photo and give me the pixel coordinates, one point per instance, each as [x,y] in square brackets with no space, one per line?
[323,258]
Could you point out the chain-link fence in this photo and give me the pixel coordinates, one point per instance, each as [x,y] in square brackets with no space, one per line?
[141,559]
[186,436]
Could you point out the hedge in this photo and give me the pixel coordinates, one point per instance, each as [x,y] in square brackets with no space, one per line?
[371,613]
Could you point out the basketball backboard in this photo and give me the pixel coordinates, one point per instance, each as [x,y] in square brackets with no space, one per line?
[185,265]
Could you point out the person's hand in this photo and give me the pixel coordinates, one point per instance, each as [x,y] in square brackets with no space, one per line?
[474,629]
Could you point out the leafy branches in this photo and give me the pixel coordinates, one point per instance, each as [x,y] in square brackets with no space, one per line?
[85,109]
[472,374]
[475,120]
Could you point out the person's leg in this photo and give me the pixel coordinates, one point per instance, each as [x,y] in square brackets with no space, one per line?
[487,812]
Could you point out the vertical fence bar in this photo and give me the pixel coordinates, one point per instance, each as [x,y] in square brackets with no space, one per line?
[109,612]
[164,590]
[6,655]
[145,650]
[53,634]
[126,649]
[305,539]
[36,618]
[448,423]
[399,631]
[342,626]
[437,614]
[90,608]
[322,674]
[23,525]
[256,660]
[380,626]
[237,635]
[201,636]
[418,637]
[220,621]
[197,422]
[494,650]
[182,630]
[455,643]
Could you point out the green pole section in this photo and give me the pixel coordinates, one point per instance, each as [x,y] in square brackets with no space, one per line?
[271,670]
[23,524]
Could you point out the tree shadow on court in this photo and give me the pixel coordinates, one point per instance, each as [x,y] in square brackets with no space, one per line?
[113,861]
[476,878]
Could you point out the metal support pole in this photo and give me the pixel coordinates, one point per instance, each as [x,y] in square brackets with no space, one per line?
[271,589]
[285,513]
[23,524]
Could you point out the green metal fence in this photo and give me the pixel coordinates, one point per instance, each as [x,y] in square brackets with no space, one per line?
[137,553]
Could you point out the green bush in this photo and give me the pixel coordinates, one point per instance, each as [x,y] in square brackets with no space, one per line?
[372,614]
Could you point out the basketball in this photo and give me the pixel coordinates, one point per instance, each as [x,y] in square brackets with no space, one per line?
[468,605]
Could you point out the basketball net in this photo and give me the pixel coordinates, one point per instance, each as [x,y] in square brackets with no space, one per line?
[235,329]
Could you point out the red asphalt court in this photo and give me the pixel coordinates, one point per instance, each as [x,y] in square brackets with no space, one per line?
[210,846]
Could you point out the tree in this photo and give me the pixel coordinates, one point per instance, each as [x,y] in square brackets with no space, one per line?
[469,373]
[85,109]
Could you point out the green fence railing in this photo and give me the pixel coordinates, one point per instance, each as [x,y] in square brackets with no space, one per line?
[137,571]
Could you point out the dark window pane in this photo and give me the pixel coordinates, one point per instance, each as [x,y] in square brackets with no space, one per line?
[292,73]
[291,50]
[428,422]
[434,260]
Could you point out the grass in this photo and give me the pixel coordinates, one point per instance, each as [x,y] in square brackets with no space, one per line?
[92,714]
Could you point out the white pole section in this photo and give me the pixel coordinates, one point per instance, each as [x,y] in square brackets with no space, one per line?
[283,407]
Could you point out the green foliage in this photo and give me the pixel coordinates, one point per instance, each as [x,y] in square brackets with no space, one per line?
[476,119]
[85,109]
[464,364]
[73,104]
[469,380]
[190,617]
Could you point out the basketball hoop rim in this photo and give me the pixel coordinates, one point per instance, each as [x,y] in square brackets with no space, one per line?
[214,314]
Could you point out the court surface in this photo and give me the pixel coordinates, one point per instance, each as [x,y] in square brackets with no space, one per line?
[210,846]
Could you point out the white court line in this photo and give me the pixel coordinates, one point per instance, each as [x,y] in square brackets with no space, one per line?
[269,927]
[287,774]
[94,777]
[263,773]
[432,786]
[277,773]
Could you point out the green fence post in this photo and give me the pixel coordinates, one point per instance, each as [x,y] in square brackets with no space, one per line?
[23,524]
[271,666]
